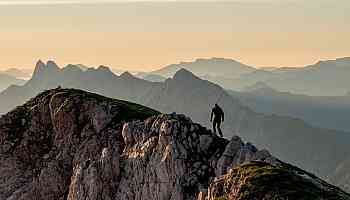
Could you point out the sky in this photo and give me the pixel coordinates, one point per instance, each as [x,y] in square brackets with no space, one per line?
[146,35]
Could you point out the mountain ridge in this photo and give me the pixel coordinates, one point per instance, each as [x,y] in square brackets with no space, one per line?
[202,67]
[319,111]
[195,98]
[315,79]
[71,144]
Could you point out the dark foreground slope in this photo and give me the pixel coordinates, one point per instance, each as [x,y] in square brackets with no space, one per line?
[70,144]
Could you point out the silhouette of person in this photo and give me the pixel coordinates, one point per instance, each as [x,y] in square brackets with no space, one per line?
[218,118]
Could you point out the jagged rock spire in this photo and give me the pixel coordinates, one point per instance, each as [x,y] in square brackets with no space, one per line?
[40,65]
[42,69]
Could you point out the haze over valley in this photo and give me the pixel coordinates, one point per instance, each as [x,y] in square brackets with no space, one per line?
[174,100]
[278,133]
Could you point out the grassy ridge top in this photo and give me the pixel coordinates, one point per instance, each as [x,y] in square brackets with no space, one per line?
[128,110]
[259,180]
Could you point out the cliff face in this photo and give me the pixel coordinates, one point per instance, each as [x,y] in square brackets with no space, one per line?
[185,93]
[70,144]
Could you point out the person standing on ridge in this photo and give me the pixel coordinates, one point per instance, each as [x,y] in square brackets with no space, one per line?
[218,118]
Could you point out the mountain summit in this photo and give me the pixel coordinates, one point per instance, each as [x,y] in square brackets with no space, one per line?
[217,67]
[195,97]
[74,145]
[42,69]
[184,75]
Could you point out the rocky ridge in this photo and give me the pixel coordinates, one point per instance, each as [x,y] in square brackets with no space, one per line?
[75,145]
[261,180]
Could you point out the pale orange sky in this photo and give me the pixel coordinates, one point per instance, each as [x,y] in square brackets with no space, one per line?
[146,36]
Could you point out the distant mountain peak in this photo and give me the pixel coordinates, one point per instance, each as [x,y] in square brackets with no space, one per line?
[82,67]
[40,62]
[184,74]
[215,67]
[216,59]
[104,69]
[42,69]
[39,67]
[127,75]
[52,65]
[72,68]
[259,86]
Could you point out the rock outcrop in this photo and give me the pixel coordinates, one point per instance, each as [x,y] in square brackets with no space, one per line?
[74,145]
[261,180]
[188,94]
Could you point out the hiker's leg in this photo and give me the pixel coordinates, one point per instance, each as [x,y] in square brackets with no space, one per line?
[219,128]
[214,126]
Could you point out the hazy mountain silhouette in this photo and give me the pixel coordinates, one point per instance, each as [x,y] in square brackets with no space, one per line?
[324,78]
[321,111]
[18,73]
[259,87]
[49,75]
[317,79]
[216,67]
[292,139]
[151,77]
[7,80]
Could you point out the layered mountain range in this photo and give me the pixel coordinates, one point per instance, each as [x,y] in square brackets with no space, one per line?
[75,145]
[7,80]
[317,150]
[18,73]
[330,112]
[315,80]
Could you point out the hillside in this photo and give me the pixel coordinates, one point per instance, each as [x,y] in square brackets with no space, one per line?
[7,80]
[216,67]
[71,144]
[315,80]
[319,111]
[187,94]
[260,180]
[18,73]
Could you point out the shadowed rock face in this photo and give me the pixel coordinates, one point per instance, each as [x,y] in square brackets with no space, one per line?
[70,144]
[185,93]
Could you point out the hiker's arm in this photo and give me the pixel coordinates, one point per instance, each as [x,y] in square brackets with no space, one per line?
[223,116]
[211,116]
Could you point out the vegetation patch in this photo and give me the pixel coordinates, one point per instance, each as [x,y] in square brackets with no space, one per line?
[260,180]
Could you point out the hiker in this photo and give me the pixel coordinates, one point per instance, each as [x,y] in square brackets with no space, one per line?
[218,118]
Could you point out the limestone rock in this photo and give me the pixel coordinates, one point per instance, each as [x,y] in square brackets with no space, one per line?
[74,145]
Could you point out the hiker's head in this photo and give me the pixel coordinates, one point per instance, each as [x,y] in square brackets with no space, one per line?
[216,105]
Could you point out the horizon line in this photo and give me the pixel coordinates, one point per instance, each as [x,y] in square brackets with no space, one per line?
[67,2]
[64,2]
[182,62]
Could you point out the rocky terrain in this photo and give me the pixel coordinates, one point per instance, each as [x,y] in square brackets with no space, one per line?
[261,180]
[187,94]
[342,176]
[74,145]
